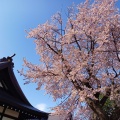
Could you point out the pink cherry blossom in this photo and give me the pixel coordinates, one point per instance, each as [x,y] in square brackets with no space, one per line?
[79,62]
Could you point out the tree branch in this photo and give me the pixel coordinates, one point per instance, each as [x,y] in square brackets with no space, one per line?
[97,109]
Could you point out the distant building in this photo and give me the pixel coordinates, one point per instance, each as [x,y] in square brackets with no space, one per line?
[60,117]
[56,117]
[13,103]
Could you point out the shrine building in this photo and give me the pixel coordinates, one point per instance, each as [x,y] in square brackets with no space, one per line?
[13,103]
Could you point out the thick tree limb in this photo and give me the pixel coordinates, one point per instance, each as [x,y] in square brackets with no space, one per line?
[97,109]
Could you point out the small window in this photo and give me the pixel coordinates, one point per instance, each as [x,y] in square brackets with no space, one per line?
[6,118]
[1,85]
[1,109]
[12,113]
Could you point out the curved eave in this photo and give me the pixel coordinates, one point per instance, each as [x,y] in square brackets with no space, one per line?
[13,102]
[16,85]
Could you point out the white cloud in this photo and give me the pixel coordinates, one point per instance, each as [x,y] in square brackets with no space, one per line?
[41,106]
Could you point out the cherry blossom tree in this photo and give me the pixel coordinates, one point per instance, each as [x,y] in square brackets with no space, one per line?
[80,61]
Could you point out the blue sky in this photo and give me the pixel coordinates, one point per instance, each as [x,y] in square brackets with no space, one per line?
[16,16]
